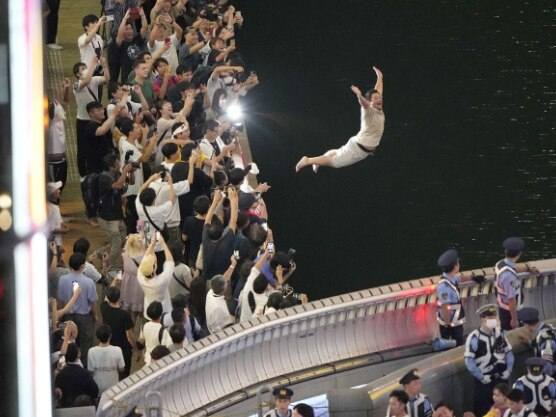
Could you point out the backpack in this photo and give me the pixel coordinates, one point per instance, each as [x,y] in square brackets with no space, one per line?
[91,193]
[162,328]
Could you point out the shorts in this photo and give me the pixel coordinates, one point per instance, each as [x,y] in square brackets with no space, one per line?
[349,154]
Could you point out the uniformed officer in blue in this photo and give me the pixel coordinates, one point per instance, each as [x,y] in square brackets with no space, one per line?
[542,337]
[451,314]
[282,402]
[509,293]
[539,389]
[488,357]
[419,404]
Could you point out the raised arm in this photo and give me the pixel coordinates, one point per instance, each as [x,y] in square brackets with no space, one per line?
[146,184]
[378,85]
[121,28]
[362,100]
[95,29]
[232,196]
[90,70]
[215,200]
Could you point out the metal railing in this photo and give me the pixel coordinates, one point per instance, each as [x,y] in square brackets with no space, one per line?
[304,337]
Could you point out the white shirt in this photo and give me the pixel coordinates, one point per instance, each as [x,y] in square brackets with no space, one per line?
[372,127]
[83,96]
[260,299]
[217,312]
[125,146]
[162,189]
[87,51]
[208,150]
[150,333]
[56,132]
[156,289]
[158,215]
[105,362]
[54,221]
[171,55]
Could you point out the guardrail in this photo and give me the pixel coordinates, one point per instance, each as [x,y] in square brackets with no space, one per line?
[304,337]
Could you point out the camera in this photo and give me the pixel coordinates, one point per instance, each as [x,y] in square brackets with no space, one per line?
[291,253]
[270,247]
[288,291]
[128,154]
[163,174]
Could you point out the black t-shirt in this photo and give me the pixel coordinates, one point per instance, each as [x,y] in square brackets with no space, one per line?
[212,57]
[97,147]
[193,228]
[128,53]
[110,204]
[201,185]
[216,255]
[119,321]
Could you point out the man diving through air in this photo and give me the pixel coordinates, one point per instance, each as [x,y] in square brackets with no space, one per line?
[365,142]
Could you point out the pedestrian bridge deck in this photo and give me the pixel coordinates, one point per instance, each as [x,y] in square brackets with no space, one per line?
[308,341]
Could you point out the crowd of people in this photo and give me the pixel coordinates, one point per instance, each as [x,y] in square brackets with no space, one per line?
[189,248]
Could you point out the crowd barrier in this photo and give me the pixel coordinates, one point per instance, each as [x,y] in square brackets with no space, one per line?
[232,363]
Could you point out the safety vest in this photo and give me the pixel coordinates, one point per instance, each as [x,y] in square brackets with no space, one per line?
[490,356]
[537,393]
[420,406]
[546,333]
[459,313]
[501,295]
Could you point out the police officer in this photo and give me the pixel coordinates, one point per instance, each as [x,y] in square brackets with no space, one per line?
[488,357]
[419,404]
[509,293]
[539,389]
[282,402]
[451,314]
[543,337]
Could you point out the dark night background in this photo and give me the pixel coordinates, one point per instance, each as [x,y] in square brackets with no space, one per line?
[468,154]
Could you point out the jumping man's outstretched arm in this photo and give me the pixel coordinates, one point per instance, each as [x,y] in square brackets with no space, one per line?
[378,85]
[362,100]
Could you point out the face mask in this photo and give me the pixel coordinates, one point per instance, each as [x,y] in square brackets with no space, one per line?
[83,73]
[229,80]
[491,323]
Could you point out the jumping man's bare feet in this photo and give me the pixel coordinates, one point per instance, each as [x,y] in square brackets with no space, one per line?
[315,168]
[301,164]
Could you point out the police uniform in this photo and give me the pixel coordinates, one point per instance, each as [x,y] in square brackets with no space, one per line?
[489,358]
[507,285]
[447,292]
[539,389]
[284,393]
[419,405]
[544,339]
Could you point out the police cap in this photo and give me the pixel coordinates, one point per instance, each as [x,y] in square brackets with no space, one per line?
[282,393]
[410,376]
[487,310]
[448,259]
[535,364]
[528,315]
[514,244]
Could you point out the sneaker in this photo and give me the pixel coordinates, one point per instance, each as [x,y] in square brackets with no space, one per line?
[92,221]
[54,47]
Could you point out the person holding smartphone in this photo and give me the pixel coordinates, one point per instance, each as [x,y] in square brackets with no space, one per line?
[83,312]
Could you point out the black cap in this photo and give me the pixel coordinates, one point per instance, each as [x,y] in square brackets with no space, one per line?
[410,376]
[514,244]
[528,315]
[448,258]
[487,310]
[282,393]
[535,364]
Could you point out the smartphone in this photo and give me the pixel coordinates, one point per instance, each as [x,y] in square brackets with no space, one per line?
[62,326]
[236,254]
[232,42]
[110,18]
[265,226]
[75,285]
[167,40]
[270,247]
[134,13]
[157,236]
[119,275]
[238,13]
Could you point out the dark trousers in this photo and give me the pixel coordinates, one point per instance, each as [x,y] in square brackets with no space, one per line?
[455,333]
[127,361]
[505,319]
[85,328]
[58,172]
[80,126]
[114,62]
[482,396]
[131,216]
[52,21]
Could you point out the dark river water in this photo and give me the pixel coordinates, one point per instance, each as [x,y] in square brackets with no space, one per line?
[468,155]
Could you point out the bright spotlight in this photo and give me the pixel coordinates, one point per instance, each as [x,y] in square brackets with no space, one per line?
[235,112]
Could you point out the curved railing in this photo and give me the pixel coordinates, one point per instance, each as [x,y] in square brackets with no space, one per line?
[304,337]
